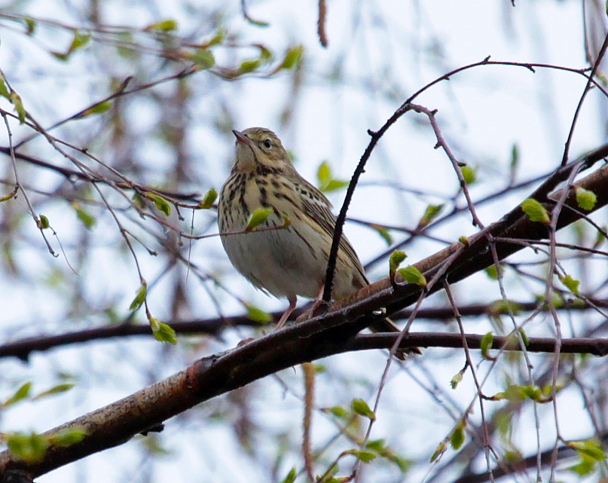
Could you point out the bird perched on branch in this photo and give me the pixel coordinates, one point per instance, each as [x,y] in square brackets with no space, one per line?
[287,254]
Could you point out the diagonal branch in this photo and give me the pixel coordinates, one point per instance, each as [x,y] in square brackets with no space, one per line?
[211,376]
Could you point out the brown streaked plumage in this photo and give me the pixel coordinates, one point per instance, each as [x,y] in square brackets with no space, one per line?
[291,260]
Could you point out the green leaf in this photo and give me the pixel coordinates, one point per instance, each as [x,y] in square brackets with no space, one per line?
[140,297]
[168,25]
[339,412]
[265,53]
[469,174]
[517,393]
[258,217]
[458,436]
[383,232]
[161,203]
[457,379]
[20,394]
[547,390]
[327,182]
[571,283]
[43,222]
[585,199]
[30,448]
[257,23]
[431,212]
[293,57]
[30,24]
[203,58]
[208,199]
[218,38]
[7,197]
[504,307]
[504,424]
[403,463]
[334,185]
[4,92]
[556,299]
[438,451]
[514,157]
[535,211]
[18,103]
[412,275]
[584,467]
[395,260]
[87,220]
[512,393]
[362,409]
[589,448]
[531,392]
[68,436]
[249,65]
[258,315]
[492,272]
[599,237]
[80,40]
[291,476]
[153,446]
[99,108]
[378,446]
[126,39]
[60,55]
[58,389]
[162,332]
[138,200]
[365,456]
[486,345]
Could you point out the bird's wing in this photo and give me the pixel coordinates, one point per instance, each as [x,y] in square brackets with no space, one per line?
[318,208]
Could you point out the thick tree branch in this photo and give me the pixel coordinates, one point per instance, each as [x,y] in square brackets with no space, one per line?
[220,373]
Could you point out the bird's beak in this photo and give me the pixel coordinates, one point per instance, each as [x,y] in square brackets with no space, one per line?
[241,138]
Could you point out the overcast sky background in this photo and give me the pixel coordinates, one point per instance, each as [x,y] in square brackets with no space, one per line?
[386,51]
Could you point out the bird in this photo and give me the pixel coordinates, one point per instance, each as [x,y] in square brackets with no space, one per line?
[287,255]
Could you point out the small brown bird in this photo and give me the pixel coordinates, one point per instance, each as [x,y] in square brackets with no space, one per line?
[290,260]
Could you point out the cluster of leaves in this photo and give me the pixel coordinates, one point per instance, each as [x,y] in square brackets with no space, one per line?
[349,419]
[30,446]
[410,273]
[171,45]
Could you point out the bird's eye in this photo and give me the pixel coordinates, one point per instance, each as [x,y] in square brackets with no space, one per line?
[267,143]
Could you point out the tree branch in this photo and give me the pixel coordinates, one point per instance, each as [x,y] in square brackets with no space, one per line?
[220,373]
